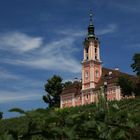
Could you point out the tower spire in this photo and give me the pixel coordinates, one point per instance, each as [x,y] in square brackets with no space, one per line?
[91,17]
[91,26]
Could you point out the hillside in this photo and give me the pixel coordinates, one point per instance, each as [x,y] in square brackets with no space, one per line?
[119,121]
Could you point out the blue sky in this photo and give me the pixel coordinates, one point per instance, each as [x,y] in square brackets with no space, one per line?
[39,38]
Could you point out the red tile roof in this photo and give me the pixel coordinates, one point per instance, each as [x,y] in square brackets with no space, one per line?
[74,88]
[110,78]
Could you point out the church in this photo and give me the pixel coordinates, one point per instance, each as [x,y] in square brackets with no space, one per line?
[94,77]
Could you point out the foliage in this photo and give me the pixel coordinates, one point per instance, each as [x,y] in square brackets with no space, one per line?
[53,87]
[1,115]
[6,137]
[136,64]
[18,110]
[121,120]
[136,68]
[67,84]
[137,89]
[126,84]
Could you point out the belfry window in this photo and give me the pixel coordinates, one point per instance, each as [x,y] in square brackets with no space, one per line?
[95,50]
[87,56]
[95,53]
[86,50]
[86,53]
[95,57]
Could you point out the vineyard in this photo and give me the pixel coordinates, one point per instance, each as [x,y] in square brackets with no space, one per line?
[117,120]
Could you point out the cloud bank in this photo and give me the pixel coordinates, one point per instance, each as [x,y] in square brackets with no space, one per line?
[54,55]
[19,42]
[111,28]
[8,96]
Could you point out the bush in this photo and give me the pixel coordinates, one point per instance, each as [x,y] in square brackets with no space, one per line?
[120,120]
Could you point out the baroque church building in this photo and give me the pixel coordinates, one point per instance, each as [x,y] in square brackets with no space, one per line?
[95,78]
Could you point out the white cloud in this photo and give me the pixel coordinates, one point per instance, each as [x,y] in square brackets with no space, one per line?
[20,89]
[72,32]
[5,75]
[128,7]
[135,45]
[8,96]
[19,42]
[58,46]
[109,29]
[65,64]
[56,55]
[18,83]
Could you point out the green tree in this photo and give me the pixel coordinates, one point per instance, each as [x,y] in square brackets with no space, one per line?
[6,137]
[136,64]
[126,84]
[67,84]
[136,68]
[1,115]
[17,110]
[53,87]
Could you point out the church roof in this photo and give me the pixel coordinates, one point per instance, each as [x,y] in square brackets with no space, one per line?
[109,75]
[74,88]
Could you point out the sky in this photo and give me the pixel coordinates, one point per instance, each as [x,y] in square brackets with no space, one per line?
[40,38]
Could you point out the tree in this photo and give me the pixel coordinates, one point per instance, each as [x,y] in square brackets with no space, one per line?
[17,110]
[6,137]
[126,84]
[67,84]
[136,68]
[1,115]
[53,87]
[136,64]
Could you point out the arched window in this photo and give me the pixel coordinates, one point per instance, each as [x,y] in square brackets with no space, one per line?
[95,50]
[96,53]
[87,56]
[95,57]
[86,50]
[86,53]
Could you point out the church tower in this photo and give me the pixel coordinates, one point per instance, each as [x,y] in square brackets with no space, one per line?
[91,64]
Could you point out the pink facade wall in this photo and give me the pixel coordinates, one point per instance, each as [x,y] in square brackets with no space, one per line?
[69,100]
[87,69]
[97,67]
[66,100]
[87,98]
[86,82]
[78,100]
